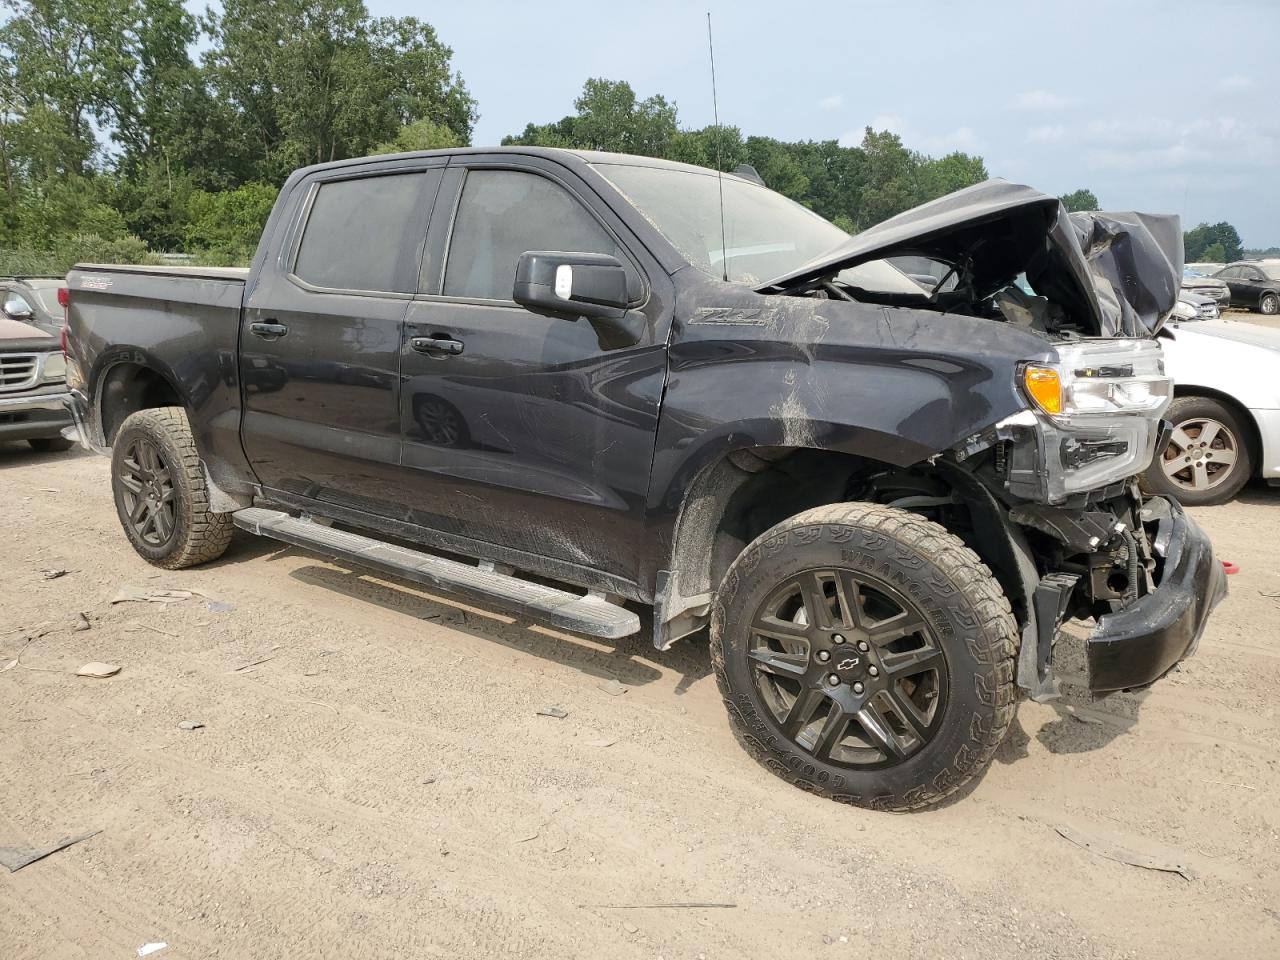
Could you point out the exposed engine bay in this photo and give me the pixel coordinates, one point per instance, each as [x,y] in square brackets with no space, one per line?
[1015,255]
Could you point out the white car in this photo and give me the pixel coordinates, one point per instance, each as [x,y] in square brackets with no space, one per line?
[1226,411]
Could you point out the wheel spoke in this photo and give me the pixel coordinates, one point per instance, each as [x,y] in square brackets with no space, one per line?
[905,708]
[1209,432]
[1224,457]
[785,630]
[131,483]
[908,664]
[162,525]
[802,711]
[1199,475]
[138,510]
[1175,466]
[849,592]
[832,732]
[1179,439]
[815,601]
[896,627]
[791,665]
[879,732]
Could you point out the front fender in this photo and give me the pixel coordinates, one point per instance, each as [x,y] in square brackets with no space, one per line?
[891,384]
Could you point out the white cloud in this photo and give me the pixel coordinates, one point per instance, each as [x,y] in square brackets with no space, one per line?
[1234,82]
[1039,100]
[1046,134]
[833,102]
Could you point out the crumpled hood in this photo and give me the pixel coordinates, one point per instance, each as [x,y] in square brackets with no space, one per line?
[1115,274]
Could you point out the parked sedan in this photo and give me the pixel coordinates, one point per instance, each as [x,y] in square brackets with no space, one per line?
[1255,284]
[1196,282]
[1226,409]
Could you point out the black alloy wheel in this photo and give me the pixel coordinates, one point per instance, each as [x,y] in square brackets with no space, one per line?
[848,668]
[148,491]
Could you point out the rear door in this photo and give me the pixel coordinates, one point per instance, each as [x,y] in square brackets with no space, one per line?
[520,429]
[320,344]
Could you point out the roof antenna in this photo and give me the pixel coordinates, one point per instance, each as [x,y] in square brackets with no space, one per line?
[715,108]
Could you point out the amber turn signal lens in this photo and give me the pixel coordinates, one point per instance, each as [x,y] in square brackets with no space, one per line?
[1045,388]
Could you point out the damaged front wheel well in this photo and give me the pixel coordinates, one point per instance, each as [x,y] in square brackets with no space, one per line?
[735,499]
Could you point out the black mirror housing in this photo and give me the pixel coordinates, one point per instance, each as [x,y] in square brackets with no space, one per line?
[592,285]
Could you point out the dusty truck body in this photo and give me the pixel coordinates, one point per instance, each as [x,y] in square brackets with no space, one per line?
[881,499]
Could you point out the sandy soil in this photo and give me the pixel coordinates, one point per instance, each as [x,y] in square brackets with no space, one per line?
[383,786]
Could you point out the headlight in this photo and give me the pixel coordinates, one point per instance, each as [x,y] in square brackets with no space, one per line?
[1099,410]
[55,368]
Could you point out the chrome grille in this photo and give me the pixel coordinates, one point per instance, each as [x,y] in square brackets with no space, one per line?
[18,371]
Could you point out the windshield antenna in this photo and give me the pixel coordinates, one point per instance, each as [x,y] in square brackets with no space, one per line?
[715,109]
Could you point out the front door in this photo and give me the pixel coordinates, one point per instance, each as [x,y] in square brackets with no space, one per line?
[521,429]
[320,344]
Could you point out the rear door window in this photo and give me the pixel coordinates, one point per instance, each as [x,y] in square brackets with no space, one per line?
[367,234]
[504,213]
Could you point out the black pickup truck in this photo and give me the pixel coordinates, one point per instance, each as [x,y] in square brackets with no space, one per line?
[618,383]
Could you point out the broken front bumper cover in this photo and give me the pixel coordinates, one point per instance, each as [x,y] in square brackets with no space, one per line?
[1138,645]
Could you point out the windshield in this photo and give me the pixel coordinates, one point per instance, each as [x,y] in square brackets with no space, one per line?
[765,234]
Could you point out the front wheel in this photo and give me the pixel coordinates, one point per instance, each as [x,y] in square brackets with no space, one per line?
[866,654]
[160,491]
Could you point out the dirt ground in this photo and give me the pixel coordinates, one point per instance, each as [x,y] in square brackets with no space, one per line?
[380,783]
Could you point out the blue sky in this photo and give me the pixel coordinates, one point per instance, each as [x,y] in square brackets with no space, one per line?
[1168,106]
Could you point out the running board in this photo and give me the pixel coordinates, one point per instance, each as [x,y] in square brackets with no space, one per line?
[591,614]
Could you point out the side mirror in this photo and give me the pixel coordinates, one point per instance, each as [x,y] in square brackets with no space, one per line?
[17,308]
[573,285]
[591,285]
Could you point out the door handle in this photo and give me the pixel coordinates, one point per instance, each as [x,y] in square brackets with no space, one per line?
[437,345]
[269,330]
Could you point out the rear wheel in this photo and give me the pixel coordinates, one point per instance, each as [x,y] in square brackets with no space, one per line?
[866,654]
[1207,460]
[160,492]
[1269,304]
[50,444]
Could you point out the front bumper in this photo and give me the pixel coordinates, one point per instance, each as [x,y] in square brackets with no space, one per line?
[1138,645]
[34,416]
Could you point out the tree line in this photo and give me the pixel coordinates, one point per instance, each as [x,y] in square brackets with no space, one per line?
[118,141]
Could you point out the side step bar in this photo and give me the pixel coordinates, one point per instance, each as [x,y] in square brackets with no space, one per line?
[591,614]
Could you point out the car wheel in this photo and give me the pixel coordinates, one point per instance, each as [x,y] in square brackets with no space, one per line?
[1269,304]
[160,492]
[865,654]
[50,444]
[1207,459]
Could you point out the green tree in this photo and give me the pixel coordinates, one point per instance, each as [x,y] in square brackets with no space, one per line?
[229,223]
[1078,201]
[310,81]
[1213,253]
[948,174]
[1196,242]
[889,177]
[609,117]
[420,135]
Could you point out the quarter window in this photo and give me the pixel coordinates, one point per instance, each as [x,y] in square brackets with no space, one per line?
[366,234]
[504,213]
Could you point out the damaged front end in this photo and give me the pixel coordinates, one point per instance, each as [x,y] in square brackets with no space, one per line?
[1079,536]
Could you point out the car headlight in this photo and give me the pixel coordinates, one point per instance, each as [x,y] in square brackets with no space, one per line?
[54,369]
[1098,410]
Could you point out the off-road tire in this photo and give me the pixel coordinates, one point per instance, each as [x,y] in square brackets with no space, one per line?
[962,605]
[50,444]
[1189,410]
[199,534]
